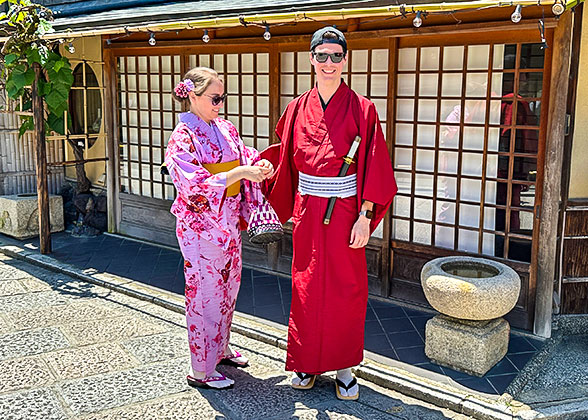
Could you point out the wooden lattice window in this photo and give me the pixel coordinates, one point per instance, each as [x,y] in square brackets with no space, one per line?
[467,179]
[246,78]
[147,116]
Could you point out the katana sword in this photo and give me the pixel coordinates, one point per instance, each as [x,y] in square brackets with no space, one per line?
[347,161]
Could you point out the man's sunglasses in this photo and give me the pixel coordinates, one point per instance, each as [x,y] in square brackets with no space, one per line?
[322,57]
[216,99]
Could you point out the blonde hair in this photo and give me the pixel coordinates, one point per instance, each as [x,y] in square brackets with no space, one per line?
[202,77]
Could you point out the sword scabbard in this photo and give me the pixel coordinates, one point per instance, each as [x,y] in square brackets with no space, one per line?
[347,161]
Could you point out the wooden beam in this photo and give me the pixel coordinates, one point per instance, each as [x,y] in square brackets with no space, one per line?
[547,252]
[41,165]
[74,162]
[111,140]
[502,28]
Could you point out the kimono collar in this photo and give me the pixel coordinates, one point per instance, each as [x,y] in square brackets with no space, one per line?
[337,95]
[195,123]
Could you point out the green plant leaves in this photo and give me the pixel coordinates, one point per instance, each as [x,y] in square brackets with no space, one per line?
[55,123]
[26,125]
[10,58]
[44,27]
[25,47]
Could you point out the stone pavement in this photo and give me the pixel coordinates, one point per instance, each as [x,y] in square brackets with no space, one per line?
[551,380]
[394,333]
[70,349]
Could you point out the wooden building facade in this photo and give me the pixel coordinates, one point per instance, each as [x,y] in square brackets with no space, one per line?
[473,110]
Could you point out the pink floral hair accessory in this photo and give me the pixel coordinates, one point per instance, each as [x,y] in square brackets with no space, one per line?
[183,88]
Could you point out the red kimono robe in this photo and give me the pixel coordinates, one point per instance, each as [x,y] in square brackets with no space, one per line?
[329,279]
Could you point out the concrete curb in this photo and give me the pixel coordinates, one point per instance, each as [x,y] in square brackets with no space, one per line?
[381,371]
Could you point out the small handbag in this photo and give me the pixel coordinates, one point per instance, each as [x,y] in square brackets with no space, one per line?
[264,225]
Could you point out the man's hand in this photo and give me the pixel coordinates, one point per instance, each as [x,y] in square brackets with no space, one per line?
[268,168]
[360,234]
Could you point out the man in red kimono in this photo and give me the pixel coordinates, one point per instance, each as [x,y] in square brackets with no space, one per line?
[329,271]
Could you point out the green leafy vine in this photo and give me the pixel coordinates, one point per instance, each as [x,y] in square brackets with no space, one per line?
[24,27]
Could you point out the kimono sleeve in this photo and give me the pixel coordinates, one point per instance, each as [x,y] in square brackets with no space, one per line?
[195,185]
[280,189]
[250,155]
[379,184]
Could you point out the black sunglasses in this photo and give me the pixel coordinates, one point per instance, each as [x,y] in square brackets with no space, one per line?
[216,99]
[322,57]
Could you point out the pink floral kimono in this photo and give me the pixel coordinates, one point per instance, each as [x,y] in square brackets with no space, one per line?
[208,230]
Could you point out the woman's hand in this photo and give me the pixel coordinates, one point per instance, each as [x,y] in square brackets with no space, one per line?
[267,166]
[254,173]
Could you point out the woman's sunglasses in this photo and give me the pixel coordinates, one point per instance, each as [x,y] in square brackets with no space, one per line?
[216,99]
[322,57]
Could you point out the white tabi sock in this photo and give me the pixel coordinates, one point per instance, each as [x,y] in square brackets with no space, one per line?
[345,376]
[215,384]
[298,382]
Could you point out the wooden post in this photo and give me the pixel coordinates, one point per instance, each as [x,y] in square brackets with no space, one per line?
[41,165]
[111,140]
[546,257]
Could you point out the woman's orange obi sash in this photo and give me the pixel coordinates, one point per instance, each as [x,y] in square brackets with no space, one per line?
[215,168]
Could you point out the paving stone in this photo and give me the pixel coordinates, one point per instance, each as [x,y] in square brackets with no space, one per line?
[35,285]
[112,298]
[23,373]
[35,404]
[62,314]
[5,325]
[12,272]
[399,405]
[31,342]
[272,395]
[567,366]
[94,394]
[264,360]
[90,360]
[187,407]
[110,329]
[32,300]
[337,411]
[156,348]
[11,287]
[154,312]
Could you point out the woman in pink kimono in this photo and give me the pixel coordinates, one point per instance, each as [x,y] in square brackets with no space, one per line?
[207,160]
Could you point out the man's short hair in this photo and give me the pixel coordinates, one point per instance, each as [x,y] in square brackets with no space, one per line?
[328,35]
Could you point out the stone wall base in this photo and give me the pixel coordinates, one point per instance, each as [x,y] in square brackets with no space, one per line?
[19,215]
[472,347]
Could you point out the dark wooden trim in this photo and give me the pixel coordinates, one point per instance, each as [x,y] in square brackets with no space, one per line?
[576,223]
[574,298]
[435,252]
[576,202]
[569,138]
[387,256]
[552,177]
[575,257]
[274,93]
[109,75]
[571,103]
[504,33]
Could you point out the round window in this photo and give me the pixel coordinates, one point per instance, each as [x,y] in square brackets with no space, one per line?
[85,104]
